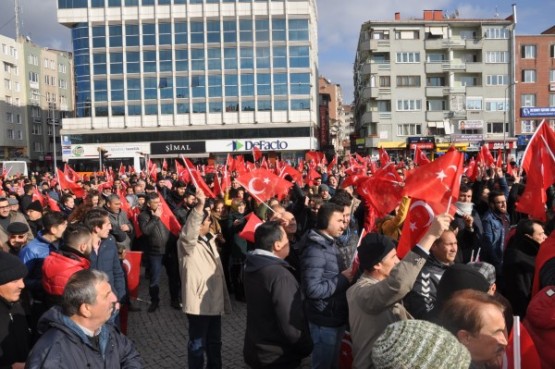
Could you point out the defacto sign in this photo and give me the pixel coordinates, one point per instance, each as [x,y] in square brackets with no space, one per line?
[181,147]
[546,112]
[264,144]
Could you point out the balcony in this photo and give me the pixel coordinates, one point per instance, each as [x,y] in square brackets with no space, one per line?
[434,67]
[455,90]
[435,91]
[435,116]
[474,67]
[453,66]
[369,92]
[454,42]
[377,45]
[369,116]
[474,44]
[366,68]
[433,44]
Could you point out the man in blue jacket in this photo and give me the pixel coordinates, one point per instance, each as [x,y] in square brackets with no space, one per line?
[76,334]
[325,285]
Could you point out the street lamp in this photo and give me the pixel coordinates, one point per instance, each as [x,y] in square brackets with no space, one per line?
[508,105]
[52,118]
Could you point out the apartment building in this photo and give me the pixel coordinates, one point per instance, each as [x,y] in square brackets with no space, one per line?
[535,77]
[433,82]
[208,76]
[13,138]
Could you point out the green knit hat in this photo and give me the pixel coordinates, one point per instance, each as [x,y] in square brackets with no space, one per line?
[418,344]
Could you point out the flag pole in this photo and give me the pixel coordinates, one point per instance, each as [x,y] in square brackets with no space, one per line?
[190,172]
[516,342]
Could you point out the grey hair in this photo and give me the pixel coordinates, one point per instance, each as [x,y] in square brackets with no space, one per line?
[113,197]
[81,289]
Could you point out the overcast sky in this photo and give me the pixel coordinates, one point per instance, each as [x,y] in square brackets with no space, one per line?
[339,24]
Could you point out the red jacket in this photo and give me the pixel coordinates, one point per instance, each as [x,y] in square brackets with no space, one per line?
[540,321]
[58,267]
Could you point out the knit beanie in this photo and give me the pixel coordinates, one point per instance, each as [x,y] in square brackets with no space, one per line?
[418,344]
[460,277]
[373,248]
[11,268]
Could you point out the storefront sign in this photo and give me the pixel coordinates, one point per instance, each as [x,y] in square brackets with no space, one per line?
[181,147]
[264,144]
[499,145]
[424,143]
[467,138]
[546,112]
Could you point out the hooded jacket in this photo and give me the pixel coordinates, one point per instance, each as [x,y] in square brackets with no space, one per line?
[540,322]
[59,266]
[65,346]
[322,282]
[277,331]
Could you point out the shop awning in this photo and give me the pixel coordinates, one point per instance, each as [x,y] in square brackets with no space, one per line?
[443,147]
[398,145]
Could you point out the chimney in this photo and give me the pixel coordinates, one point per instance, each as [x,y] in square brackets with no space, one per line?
[398,16]
[438,14]
[428,14]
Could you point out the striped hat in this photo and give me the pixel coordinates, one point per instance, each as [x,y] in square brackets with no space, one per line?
[418,344]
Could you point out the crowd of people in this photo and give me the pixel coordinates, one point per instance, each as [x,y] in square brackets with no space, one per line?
[316,274]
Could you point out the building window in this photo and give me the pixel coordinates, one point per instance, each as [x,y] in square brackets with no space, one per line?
[407,35]
[528,51]
[384,106]
[436,57]
[409,105]
[409,129]
[436,105]
[497,57]
[497,33]
[37,129]
[299,57]
[496,104]
[552,51]
[230,58]
[551,99]
[497,79]
[379,35]
[278,29]
[9,117]
[280,57]
[496,127]
[408,57]
[529,75]
[280,84]
[527,100]
[213,31]
[552,75]
[473,103]
[435,81]
[385,81]
[230,31]
[528,126]
[262,30]
[408,81]
[298,29]
[37,146]
[10,134]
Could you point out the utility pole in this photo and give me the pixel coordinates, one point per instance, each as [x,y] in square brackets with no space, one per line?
[17,19]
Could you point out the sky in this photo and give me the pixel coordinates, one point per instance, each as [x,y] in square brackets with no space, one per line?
[338,30]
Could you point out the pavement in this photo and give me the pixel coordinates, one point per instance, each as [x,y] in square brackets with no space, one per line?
[161,337]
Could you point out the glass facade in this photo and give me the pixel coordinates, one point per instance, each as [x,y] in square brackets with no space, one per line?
[193,65]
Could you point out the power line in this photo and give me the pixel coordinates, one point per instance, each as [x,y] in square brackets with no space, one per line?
[8,22]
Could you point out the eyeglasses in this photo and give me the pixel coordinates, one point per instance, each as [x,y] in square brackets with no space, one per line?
[5,207]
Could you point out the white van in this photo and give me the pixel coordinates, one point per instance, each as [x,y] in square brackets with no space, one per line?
[10,168]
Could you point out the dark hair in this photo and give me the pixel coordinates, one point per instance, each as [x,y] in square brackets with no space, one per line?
[65,198]
[81,289]
[75,235]
[325,213]
[95,218]
[342,197]
[28,187]
[493,194]
[205,214]
[463,311]
[526,226]
[267,234]
[52,219]
[152,196]
[464,188]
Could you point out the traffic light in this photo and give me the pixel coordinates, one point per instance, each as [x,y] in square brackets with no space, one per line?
[103,156]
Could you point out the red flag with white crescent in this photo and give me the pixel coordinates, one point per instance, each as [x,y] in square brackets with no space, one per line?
[248,230]
[262,184]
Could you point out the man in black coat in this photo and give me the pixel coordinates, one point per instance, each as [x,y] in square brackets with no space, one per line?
[14,330]
[277,333]
[519,264]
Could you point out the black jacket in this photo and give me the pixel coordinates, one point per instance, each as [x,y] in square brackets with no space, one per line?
[15,337]
[421,300]
[519,262]
[64,345]
[277,333]
[157,234]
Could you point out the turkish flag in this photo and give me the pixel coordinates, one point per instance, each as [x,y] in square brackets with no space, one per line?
[353,180]
[182,173]
[256,153]
[125,207]
[313,157]
[70,173]
[168,219]
[67,184]
[230,163]
[499,160]
[248,230]
[135,220]
[533,199]
[300,165]
[121,170]
[164,165]
[153,172]
[545,136]
[240,164]
[418,220]
[52,204]
[332,164]
[438,181]
[384,157]
[263,184]
[529,358]
[38,196]
[382,191]
[217,188]
[295,174]
[311,176]
[420,157]
[132,267]
[486,156]
[226,179]
[472,170]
